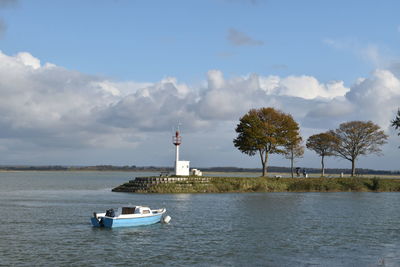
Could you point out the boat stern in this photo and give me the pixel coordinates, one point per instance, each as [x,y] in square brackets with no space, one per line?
[95,222]
[97,219]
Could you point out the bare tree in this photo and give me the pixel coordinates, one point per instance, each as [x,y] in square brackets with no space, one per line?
[357,138]
[322,144]
[294,149]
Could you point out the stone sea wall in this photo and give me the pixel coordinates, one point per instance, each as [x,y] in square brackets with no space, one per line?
[148,184]
[256,184]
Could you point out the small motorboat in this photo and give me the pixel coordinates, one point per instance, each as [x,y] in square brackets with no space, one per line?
[128,216]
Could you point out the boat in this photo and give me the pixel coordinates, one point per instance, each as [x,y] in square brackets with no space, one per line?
[128,216]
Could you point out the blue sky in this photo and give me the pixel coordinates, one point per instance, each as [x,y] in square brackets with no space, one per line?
[147,40]
[204,63]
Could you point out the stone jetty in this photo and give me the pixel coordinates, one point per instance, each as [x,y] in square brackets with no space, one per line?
[200,184]
[144,184]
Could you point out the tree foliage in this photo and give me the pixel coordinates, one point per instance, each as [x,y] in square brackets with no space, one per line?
[322,144]
[396,121]
[265,131]
[357,138]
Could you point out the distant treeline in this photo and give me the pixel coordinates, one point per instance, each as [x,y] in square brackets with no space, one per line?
[170,169]
[81,168]
[308,170]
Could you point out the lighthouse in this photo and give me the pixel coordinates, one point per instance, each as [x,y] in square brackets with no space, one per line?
[181,166]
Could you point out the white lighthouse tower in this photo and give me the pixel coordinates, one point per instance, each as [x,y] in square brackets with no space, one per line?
[181,166]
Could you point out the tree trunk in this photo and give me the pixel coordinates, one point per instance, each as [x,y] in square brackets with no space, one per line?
[353,167]
[323,166]
[291,164]
[264,160]
[264,170]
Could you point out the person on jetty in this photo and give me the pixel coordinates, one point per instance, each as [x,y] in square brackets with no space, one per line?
[305,173]
[298,171]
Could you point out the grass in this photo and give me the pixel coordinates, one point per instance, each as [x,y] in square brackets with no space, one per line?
[263,184]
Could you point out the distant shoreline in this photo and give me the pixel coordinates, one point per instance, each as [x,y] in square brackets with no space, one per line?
[271,169]
[73,170]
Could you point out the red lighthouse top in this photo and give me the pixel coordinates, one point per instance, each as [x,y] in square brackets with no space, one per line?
[177,139]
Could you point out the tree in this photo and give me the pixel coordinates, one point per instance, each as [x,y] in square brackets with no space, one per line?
[396,121]
[264,131]
[294,149]
[322,144]
[357,138]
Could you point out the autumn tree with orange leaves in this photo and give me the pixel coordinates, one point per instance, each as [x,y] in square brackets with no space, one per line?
[322,144]
[265,131]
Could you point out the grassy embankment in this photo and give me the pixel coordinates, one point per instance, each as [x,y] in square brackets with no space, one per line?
[260,184]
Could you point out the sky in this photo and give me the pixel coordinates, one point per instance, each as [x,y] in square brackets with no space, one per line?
[107,81]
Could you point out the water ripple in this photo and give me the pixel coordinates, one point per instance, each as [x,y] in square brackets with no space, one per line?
[47,226]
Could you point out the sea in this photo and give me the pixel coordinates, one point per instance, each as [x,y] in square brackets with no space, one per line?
[45,221]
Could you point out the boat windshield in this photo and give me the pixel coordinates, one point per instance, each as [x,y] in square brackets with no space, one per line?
[128,210]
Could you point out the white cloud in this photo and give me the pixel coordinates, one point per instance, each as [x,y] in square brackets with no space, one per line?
[229,99]
[28,60]
[44,105]
[215,79]
[308,87]
[154,107]
[377,98]
[49,106]
[107,87]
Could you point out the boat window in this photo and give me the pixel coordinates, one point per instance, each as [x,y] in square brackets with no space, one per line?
[146,211]
[128,210]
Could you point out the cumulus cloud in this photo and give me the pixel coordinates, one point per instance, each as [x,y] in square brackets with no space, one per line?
[49,105]
[28,60]
[228,99]
[238,38]
[376,97]
[44,105]
[153,108]
[307,87]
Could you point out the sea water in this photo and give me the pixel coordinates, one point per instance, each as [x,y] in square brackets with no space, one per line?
[45,221]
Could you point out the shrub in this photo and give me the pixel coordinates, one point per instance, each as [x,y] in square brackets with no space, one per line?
[376,184]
